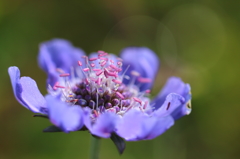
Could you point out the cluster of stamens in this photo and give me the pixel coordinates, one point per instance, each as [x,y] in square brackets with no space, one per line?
[97,84]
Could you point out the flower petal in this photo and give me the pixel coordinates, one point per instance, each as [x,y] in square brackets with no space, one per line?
[58,53]
[68,118]
[135,125]
[160,126]
[144,61]
[175,85]
[26,92]
[171,103]
[103,127]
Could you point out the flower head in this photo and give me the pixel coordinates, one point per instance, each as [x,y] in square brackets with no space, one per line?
[103,93]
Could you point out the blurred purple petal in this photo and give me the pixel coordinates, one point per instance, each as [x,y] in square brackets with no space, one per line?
[64,116]
[26,91]
[175,85]
[104,125]
[142,60]
[58,53]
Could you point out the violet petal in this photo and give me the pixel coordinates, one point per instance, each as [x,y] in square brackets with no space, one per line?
[58,53]
[26,91]
[144,61]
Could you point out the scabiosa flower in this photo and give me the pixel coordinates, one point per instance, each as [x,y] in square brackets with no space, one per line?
[103,93]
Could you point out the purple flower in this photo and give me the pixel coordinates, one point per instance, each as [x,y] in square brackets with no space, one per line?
[103,93]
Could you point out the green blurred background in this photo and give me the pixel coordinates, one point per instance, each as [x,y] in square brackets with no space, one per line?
[196,40]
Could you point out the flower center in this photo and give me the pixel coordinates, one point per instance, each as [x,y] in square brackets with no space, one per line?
[97,84]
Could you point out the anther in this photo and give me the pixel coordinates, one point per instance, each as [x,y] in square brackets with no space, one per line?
[119,95]
[117,81]
[148,91]
[135,73]
[79,63]
[64,75]
[168,106]
[144,80]
[86,69]
[93,59]
[137,100]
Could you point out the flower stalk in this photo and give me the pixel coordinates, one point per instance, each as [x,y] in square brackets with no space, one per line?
[94,147]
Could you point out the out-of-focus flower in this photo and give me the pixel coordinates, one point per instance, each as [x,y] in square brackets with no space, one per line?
[103,93]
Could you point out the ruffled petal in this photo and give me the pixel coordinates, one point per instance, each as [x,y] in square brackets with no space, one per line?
[103,126]
[68,118]
[144,61]
[26,92]
[58,54]
[171,103]
[160,126]
[130,126]
[175,85]
[135,125]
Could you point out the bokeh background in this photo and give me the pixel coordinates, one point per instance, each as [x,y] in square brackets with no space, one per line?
[196,40]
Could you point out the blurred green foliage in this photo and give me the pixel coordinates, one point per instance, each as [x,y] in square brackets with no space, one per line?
[198,41]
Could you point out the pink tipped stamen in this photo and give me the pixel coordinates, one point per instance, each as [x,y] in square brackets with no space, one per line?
[119,63]
[148,91]
[79,63]
[137,100]
[145,105]
[59,70]
[98,81]
[59,86]
[103,58]
[92,65]
[86,69]
[103,54]
[64,75]
[119,95]
[103,63]
[93,59]
[115,68]
[96,69]
[100,52]
[95,113]
[112,61]
[114,74]
[99,72]
[117,81]
[144,80]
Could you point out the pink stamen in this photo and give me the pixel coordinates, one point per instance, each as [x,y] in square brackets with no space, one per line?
[144,80]
[119,63]
[59,70]
[92,64]
[93,59]
[148,91]
[117,81]
[96,69]
[114,74]
[86,69]
[99,72]
[59,86]
[100,52]
[79,63]
[95,113]
[98,81]
[103,58]
[103,63]
[64,75]
[115,68]
[137,100]
[112,61]
[145,105]
[103,54]
[119,95]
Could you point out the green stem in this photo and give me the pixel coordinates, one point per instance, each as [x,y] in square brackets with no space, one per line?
[94,150]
